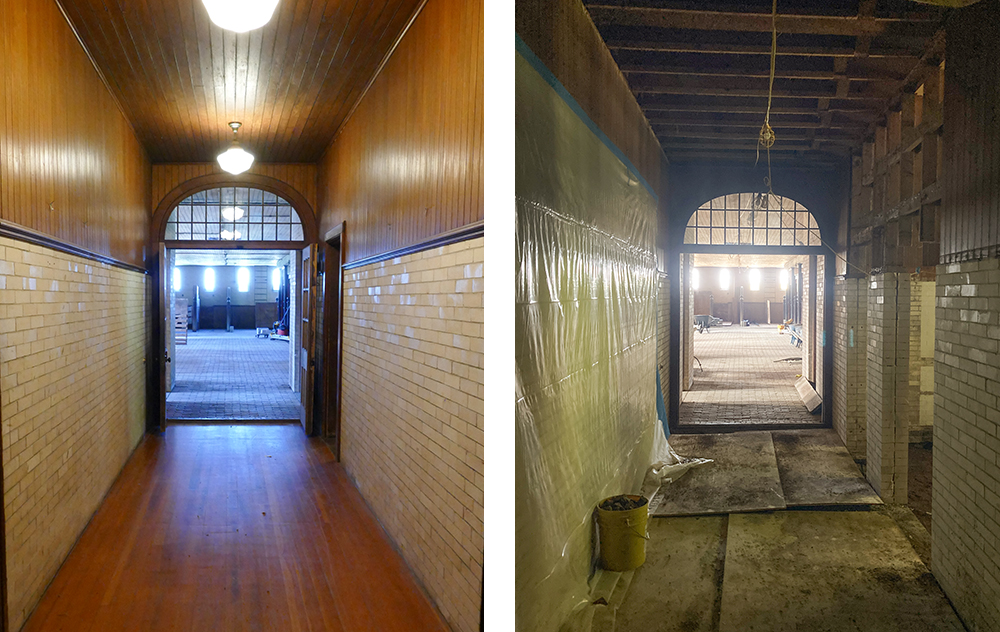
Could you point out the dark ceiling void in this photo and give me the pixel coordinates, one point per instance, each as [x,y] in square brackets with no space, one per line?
[181,79]
[700,71]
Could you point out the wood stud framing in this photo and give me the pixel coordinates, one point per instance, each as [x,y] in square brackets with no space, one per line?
[896,191]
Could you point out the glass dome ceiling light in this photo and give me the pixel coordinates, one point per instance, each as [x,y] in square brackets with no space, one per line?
[235,160]
[240,16]
[232,213]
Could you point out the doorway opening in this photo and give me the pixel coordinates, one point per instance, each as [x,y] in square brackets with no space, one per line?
[753,352]
[232,346]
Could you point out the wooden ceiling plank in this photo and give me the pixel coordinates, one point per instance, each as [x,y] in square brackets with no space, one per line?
[297,72]
[338,106]
[321,79]
[348,91]
[290,30]
[168,127]
[147,70]
[173,53]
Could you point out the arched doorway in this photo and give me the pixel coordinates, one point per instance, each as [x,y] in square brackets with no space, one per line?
[240,294]
[754,288]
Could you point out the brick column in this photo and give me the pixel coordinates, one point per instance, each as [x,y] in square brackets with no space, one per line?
[888,384]
[850,363]
[687,324]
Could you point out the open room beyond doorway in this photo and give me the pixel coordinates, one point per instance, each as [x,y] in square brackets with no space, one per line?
[232,358]
[753,344]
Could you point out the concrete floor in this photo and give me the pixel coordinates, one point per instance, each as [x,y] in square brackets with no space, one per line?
[232,376]
[741,380]
[857,570]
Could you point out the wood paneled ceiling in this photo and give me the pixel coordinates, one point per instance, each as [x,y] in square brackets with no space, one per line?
[181,79]
[700,69]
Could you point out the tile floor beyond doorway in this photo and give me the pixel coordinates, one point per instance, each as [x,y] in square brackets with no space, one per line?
[739,380]
[232,376]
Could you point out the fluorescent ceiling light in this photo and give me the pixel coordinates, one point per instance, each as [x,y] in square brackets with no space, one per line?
[240,16]
[783,279]
[724,278]
[276,279]
[177,279]
[754,280]
[243,279]
[209,280]
[695,281]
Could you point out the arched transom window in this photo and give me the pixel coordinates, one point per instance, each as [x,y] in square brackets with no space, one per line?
[234,214]
[752,219]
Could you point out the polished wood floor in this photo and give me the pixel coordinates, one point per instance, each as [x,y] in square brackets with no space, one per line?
[234,528]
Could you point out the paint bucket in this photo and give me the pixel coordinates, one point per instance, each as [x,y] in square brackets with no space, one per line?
[622,533]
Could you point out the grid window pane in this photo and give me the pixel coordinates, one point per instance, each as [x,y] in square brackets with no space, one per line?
[259,216]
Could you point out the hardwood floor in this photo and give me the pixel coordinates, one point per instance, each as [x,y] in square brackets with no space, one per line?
[234,528]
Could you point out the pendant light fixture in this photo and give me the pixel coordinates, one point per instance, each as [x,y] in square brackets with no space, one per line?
[235,160]
[240,16]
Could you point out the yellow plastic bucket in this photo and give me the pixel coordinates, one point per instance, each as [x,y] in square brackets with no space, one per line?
[622,534]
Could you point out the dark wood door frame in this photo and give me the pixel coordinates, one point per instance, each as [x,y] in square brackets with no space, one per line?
[676,352]
[333,334]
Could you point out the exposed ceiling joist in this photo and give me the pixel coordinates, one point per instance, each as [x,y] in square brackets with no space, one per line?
[605,13]
[754,50]
[700,71]
[753,87]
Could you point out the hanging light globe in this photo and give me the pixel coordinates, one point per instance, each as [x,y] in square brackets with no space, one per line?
[235,160]
[240,16]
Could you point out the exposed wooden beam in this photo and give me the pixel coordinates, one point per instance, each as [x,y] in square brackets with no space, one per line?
[753,87]
[779,73]
[740,49]
[748,135]
[608,14]
[672,145]
[754,123]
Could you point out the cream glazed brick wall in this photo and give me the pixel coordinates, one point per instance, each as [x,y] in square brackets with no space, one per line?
[663,336]
[888,385]
[72,346]
[822,335]
[412,419]
[966,479]
[921,392]
[850,363]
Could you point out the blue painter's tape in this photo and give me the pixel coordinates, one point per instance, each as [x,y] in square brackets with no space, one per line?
[564,94]
[823,343]
[850,337]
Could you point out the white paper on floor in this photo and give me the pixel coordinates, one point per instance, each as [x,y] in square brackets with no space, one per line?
[667,466]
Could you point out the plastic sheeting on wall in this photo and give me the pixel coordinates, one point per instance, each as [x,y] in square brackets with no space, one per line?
[585,352]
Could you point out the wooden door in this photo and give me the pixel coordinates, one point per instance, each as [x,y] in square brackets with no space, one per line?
[307,360]
[332,336]
[166,332]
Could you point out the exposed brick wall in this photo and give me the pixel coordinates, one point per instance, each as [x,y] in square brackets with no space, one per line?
[822,336]
[920,397]
[966,501]
[412,416]
[850,363]
[888,385]
[663,336]
[72,346]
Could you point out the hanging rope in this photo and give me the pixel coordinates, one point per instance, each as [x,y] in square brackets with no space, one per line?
[766,138]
